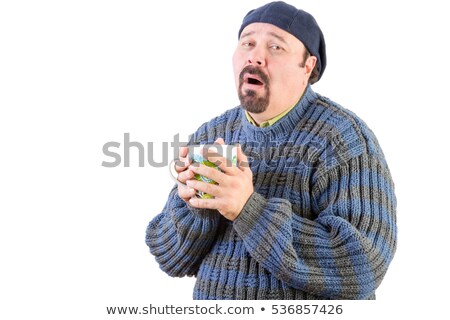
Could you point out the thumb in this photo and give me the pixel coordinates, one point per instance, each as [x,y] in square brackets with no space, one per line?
[219,141]
[242,159]
[182,152]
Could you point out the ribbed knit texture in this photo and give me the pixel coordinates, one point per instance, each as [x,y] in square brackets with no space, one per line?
[321,223]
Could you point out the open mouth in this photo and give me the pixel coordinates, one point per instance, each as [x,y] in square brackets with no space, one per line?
[251,79]
[254,81]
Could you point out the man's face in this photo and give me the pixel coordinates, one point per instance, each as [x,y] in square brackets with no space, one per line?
[267,68]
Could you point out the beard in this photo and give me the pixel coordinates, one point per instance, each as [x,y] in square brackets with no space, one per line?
[249,99]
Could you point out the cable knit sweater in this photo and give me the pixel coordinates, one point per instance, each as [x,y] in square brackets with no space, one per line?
[321,223]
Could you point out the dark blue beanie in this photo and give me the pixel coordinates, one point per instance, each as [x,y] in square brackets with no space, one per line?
[297,22]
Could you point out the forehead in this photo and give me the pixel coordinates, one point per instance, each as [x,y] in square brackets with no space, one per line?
[259,29]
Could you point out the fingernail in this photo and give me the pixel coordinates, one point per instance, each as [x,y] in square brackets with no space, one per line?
[212,149]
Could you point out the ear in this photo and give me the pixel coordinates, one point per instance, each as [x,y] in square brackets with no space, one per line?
[310,63]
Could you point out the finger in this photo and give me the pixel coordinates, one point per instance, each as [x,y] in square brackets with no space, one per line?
[204,203]
[210,188]
[215,155]
[182,163]
[182,152]
[185,175]
[208,172]
[186,193]
[223,163]
[242,159]
[219,141]
[183,160]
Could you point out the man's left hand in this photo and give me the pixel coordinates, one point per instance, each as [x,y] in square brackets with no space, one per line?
[234,184]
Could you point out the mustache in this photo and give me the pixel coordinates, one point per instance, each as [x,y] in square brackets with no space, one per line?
[256,71]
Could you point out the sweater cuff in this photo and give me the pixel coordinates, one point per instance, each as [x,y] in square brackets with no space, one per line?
[204,213]
[250,214]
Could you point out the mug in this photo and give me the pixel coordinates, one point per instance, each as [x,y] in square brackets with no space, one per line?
[199,154]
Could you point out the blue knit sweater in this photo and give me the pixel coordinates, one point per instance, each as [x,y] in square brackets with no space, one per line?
[321,223]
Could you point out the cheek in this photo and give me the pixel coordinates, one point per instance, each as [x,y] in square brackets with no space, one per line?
[293,75]
[237,67]
[236,60]
[285,78]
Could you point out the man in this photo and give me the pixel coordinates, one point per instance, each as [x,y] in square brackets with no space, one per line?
[310,214]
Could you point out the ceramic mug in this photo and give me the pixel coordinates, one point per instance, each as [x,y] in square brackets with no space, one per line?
[199,154]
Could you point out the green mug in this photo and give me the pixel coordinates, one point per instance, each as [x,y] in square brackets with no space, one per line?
[199,155]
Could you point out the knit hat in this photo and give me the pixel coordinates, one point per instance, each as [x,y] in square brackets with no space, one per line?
[297,22]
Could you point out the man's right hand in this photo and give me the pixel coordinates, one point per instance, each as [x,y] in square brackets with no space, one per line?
[184,174]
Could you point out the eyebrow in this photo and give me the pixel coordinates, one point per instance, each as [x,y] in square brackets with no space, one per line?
[247,34]
[273,34]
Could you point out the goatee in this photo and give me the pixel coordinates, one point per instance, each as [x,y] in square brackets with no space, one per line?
[249,99]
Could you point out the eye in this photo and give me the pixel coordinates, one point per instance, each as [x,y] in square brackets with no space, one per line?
[275,47]
[247,44]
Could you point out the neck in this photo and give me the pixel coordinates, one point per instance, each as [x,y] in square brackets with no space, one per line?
[272,110]
[284,125]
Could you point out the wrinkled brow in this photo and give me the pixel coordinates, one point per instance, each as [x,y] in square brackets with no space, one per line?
[247,34]
[273,34]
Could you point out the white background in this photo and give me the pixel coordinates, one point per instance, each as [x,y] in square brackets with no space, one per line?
[75,75]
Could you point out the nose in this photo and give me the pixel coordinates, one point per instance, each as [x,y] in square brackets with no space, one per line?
[256,58]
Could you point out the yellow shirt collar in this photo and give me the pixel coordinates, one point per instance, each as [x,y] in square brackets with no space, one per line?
[270,121]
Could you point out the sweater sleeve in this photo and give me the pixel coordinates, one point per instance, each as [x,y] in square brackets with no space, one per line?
[181,235]
[345,251]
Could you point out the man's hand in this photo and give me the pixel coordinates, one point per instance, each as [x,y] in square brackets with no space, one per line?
[184,173]
[235,184]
